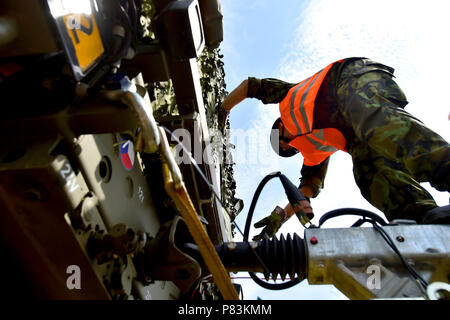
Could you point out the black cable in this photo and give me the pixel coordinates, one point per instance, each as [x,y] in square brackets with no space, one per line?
[266,285]
[121,50]
[211,187]
[368,216]
[194,163]
[133,15]
[261,185]
[410,268]
[378,224]
[351,211]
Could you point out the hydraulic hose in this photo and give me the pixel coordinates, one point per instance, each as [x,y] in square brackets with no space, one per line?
[266,285]
[258,191]
[259,260]
[280,257]
[352,211]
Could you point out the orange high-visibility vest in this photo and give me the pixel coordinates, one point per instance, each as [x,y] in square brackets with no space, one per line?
[297,110]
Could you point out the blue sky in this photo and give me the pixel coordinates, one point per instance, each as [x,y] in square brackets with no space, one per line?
[291,40]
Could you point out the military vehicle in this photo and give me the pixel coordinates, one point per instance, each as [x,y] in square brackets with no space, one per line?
[111,187]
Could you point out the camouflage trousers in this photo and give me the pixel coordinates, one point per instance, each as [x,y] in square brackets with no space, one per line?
[392,151]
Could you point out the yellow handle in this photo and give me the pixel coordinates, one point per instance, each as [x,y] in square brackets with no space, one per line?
[184,204]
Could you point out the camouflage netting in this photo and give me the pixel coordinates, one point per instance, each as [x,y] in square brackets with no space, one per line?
[212,79]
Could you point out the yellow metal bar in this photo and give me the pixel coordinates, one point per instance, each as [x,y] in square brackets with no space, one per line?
[183,202]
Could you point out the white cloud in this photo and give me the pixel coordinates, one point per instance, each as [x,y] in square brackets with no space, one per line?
[410,36]
[407,35]
[403,34]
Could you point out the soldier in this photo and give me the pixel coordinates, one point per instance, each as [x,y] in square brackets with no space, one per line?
[355,106]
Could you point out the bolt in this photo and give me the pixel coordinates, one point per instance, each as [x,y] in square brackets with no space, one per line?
[314,240]
[231,245]
[400,239]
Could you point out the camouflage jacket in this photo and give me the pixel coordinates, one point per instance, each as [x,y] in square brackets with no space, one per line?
[271,91]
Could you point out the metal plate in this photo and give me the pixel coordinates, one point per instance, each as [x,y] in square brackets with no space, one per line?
[79,33]
[85,38]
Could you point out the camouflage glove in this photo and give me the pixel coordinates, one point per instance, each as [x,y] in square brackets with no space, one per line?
[222,117]
[271,223]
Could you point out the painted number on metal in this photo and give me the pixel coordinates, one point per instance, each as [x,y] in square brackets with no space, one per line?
[85,36]
[141,194]
[69,177]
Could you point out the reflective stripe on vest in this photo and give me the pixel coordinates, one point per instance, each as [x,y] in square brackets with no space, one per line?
[297,110]
[319,145]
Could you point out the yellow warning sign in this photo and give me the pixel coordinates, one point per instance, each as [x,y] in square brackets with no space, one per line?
[86,39]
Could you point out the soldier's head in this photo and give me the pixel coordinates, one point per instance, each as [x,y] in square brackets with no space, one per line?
[280,138]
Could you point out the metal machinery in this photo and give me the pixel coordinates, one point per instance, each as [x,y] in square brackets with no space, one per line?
[92,202]
[81,154]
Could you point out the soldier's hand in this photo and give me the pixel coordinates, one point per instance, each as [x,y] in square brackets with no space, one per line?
[270,223]
[222,117]
[307,208]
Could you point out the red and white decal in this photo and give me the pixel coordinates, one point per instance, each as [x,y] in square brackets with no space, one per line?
[127,154]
